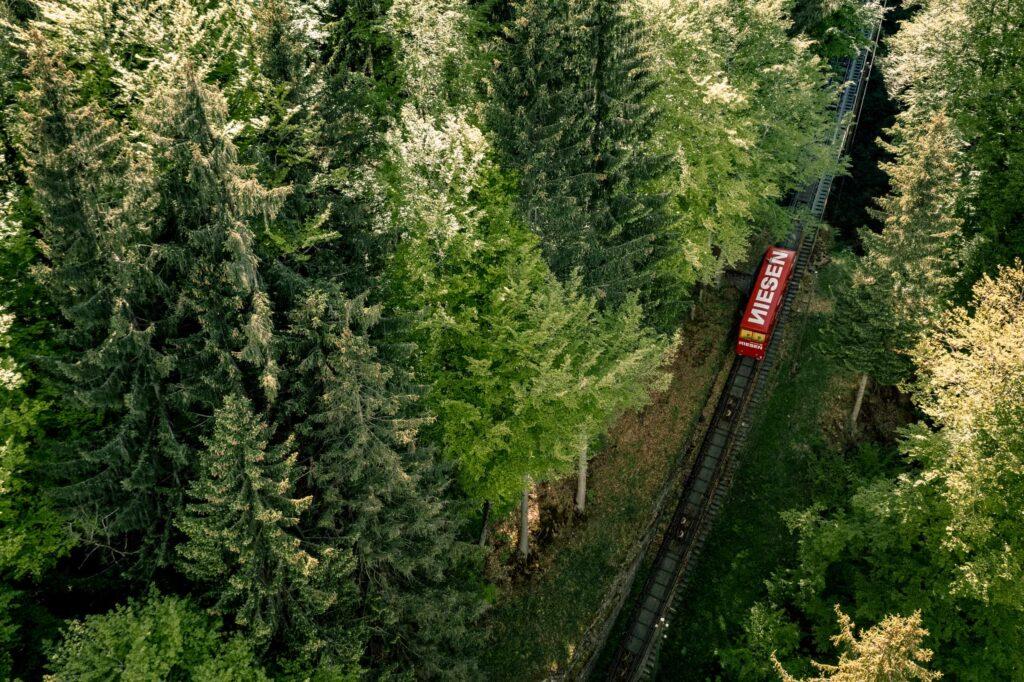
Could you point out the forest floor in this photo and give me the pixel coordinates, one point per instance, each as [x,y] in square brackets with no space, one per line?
[798,453]
[542,612]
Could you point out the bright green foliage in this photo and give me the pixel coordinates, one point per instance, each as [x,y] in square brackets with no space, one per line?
[160,638]
[31,536]
[523,370]
[241,524]
[376,494]
[896,291]
[889,651]
[572,117]
[942,538]
[967,57]
[743,114]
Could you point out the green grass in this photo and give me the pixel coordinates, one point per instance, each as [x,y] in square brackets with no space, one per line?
[536,623]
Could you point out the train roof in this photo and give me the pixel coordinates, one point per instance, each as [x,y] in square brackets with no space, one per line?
[769,289]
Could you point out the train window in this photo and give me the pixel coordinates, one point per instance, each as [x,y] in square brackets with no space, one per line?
[748,335]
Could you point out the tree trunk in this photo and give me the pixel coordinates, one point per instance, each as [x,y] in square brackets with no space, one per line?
[857,401]
[524,524]
[483,528]
[581,483]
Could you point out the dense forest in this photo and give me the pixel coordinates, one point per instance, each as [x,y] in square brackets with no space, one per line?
[302,303]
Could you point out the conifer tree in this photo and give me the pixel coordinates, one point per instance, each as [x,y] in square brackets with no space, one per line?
[838,27]
[376,492]
[87,193]
[743,109]
[356,99]
[964,57]
[572,116]
[909,270]
[278,138]
[153,267]
[501,340]
[241,523]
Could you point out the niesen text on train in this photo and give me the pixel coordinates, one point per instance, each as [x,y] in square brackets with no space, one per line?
[765,302]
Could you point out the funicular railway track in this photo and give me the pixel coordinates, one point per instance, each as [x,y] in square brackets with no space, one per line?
[705,487]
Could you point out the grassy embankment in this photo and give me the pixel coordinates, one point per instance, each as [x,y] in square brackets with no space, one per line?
[540,617]
[796,454]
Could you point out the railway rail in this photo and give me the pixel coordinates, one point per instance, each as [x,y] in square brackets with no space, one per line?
[708,481]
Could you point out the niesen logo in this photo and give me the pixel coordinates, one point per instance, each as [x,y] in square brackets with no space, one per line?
[769,285]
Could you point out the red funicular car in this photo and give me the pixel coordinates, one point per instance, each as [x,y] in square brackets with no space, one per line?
[765,302]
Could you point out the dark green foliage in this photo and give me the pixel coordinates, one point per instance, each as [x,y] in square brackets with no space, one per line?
[202,207]
[280,144]
[83,214]
[572,116]
[375,493]
[357,99]
[190,322]
[160,638]
[242,526]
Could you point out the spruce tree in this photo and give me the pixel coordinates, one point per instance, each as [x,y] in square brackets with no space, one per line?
[88,194]
[895,292]
[150,257]
[278,137]
[377,493]
[356,100]
[626,204]
[743,108]
[241,522]
[571,115]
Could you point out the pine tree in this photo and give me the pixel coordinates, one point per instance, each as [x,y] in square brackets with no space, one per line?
[909,270]
[572,116]
[241,525]
[377,494]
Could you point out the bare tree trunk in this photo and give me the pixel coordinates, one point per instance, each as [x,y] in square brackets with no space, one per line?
[524,524]
[857,401]
[483,528]
[581,483]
